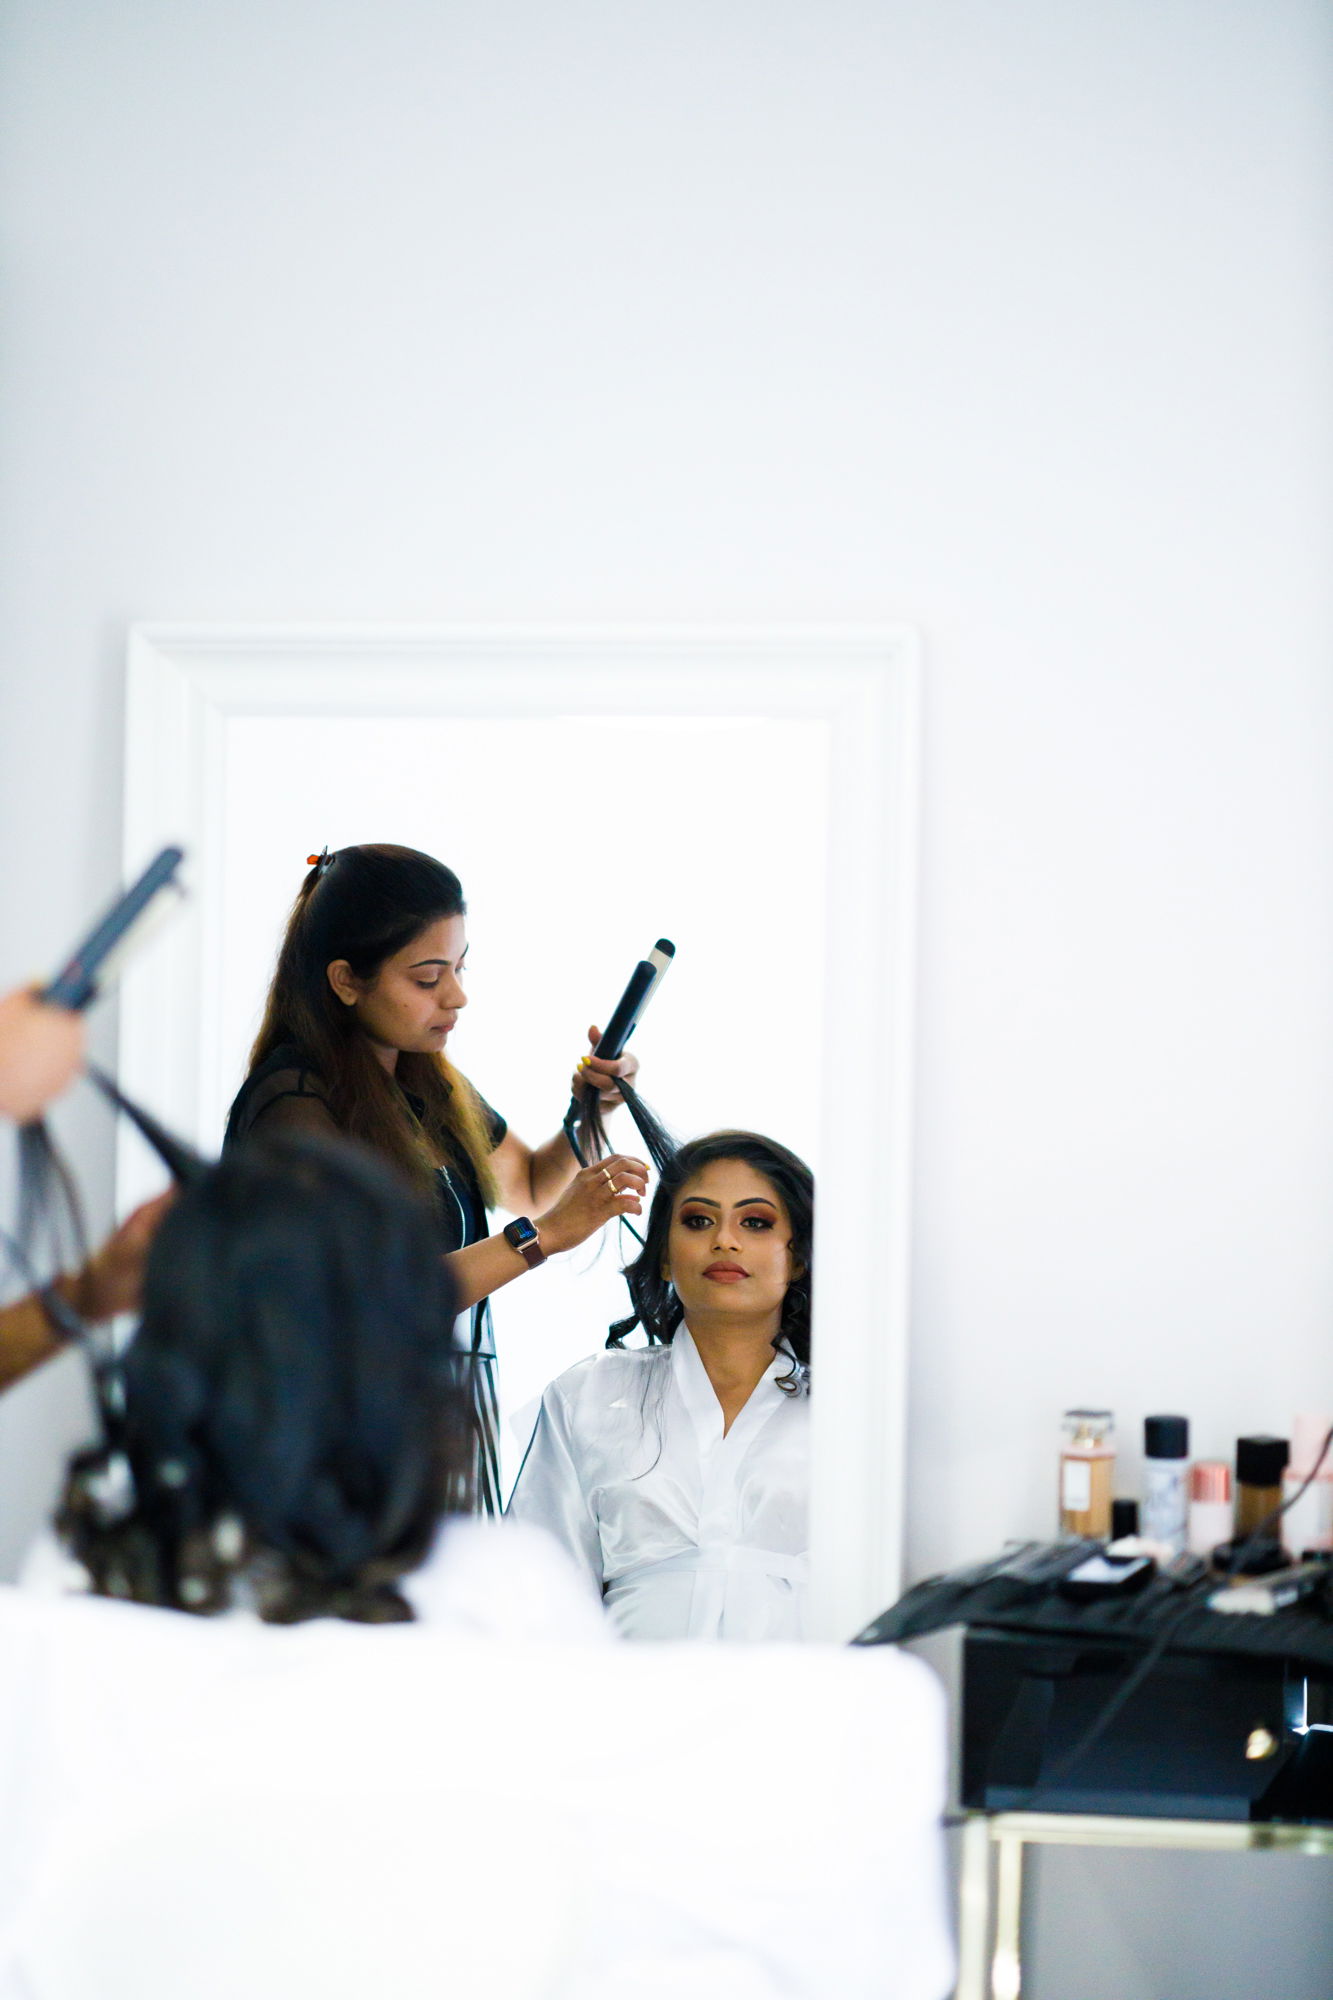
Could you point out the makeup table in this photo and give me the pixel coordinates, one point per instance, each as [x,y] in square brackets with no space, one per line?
[1226,1743]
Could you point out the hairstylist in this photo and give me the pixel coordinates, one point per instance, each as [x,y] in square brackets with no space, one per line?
[41,1052]
[368,988]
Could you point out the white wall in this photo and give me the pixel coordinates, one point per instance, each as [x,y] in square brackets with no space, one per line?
[1012,321]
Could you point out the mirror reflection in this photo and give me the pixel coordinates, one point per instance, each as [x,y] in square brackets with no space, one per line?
[432,997]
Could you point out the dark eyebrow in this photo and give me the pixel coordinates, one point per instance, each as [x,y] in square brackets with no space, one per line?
[748,1202]
[417,963]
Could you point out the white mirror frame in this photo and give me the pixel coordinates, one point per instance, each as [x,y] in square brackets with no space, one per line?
[187,681]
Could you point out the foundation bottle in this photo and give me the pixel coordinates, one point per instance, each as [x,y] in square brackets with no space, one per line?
[1309,1523]
[1087,1472]
[1260,1463]
[1210,1505]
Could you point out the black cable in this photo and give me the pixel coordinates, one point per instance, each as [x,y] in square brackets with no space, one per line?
[49,1202]
[99,1346]
[1110,1708]
[49,1205]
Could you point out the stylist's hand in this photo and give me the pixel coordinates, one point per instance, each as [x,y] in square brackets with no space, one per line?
[41,1049]
[111,1281]
[598,1070]
[597,1194]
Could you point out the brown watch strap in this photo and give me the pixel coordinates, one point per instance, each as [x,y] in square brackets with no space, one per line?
[521,1235]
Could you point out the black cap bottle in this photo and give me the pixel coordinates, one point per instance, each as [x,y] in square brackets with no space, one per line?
[1260,1463]
[1166,1469]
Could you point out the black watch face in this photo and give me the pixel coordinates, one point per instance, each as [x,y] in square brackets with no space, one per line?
[521,1232]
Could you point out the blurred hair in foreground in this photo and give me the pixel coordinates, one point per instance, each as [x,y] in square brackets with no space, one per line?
[295,1418]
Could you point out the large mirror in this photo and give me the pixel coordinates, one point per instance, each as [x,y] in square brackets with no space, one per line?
[747,793]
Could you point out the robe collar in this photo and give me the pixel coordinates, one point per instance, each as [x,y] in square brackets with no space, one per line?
[700,1398]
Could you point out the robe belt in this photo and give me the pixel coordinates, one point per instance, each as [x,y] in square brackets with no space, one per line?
[728,1561]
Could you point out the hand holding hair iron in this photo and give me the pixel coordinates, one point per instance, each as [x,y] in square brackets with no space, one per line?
[126,924]
[582,1124]
[41,1043]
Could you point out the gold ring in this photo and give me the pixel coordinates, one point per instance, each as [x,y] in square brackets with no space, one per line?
[610,1182]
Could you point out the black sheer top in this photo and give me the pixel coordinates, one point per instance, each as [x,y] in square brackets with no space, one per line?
[285,1093]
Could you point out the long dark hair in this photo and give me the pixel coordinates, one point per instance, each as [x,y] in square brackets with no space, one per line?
[658,1311]
[292,1412]
[363,904]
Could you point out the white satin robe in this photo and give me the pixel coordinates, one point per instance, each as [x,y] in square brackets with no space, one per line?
[687,1533]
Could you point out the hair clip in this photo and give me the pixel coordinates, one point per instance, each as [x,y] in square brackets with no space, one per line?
[322,862]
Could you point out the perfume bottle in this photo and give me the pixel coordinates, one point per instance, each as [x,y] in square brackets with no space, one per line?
[1087,1472]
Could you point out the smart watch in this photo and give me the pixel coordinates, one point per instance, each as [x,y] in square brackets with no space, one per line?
[522,1235]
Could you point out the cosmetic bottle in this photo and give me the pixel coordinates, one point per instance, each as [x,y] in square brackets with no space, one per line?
[1087,1471]
[1260,1462]
[1309,1523]
[1166,1464]
[1210,1506]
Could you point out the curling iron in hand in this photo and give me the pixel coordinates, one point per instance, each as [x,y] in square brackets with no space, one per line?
[582,1123]
[644,981]
[129,921]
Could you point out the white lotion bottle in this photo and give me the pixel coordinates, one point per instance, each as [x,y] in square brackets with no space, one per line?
[1166,1468]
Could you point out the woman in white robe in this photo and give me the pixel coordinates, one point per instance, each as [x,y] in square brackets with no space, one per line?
[677,1474]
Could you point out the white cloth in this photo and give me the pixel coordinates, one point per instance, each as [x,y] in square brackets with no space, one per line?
[182,1822]
[201,1809]
[688,1533]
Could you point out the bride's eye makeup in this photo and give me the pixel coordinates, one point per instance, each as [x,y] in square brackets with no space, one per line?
[755,1219]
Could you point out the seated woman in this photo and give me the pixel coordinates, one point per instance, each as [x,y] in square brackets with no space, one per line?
[288,1432]
[677,1474]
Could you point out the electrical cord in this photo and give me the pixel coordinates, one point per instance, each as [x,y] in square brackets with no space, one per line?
[96,1342]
